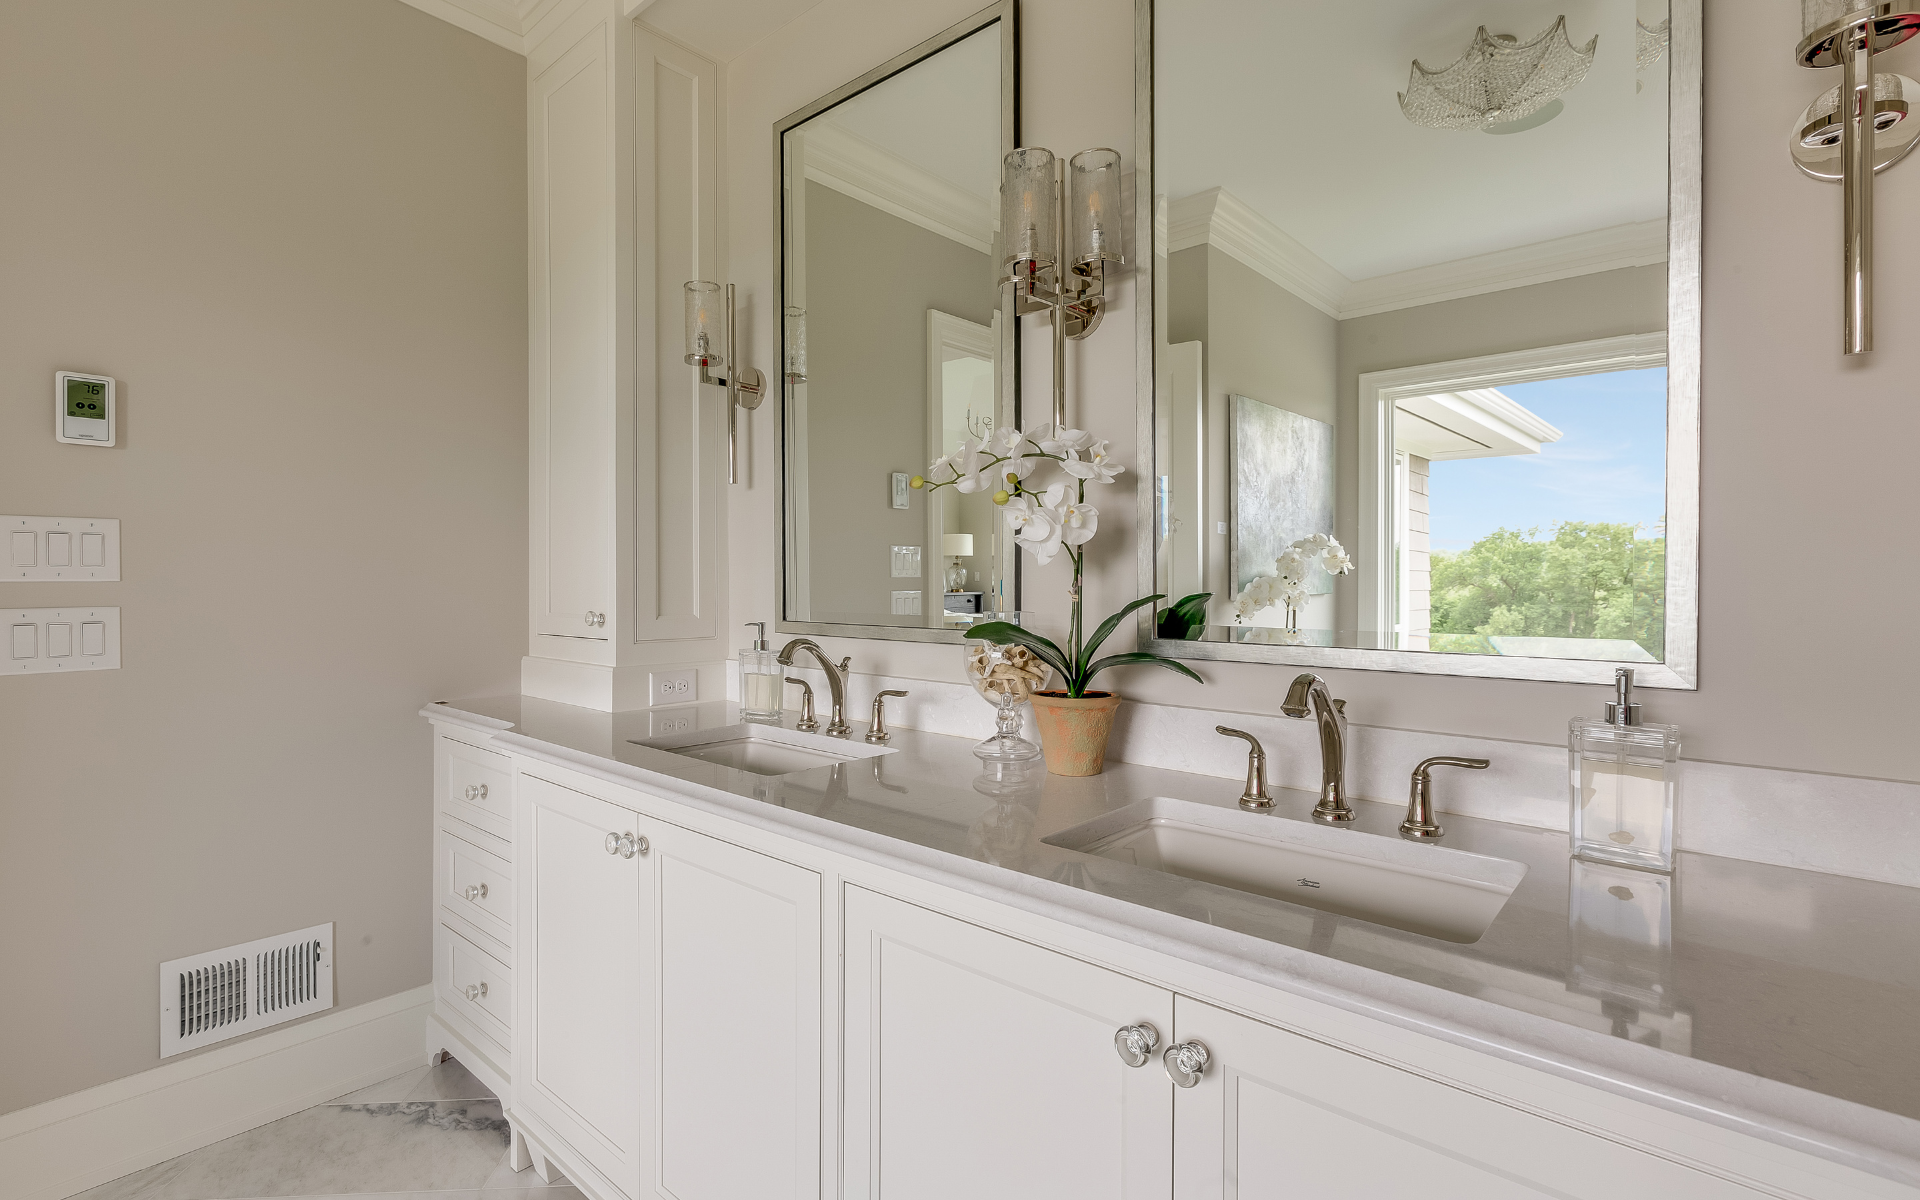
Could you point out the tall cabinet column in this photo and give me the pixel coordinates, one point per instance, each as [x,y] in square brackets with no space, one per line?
[627,565]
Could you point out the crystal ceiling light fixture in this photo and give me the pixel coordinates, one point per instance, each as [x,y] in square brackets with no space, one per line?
[1854,130]
[710,344]
[1499,81]
[1060,266]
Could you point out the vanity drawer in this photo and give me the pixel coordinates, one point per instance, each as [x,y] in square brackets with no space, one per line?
[475,984]
[476,885]
[478,787]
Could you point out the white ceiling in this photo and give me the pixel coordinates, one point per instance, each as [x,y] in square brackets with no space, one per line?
[940,116]
[1294,109]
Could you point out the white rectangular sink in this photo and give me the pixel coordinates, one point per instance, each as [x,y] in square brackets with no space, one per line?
[763,749]
[1421,888]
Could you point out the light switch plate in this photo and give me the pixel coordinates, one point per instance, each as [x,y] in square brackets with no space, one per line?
[906,562]
[37,637]
[906,604]
[67,549]
[900,485]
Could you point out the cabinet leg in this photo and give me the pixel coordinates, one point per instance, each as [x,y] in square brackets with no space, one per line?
[542,1167]
[519,1157]
[436,1057]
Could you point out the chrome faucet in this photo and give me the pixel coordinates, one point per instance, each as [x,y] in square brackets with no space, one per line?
[836,681]
[1420,825]
[1332,717]
[1256,796]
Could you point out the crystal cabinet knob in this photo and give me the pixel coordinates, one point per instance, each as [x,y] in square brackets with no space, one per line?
[613,843]
[476,990]
[1135,1043]
[477,891]
[475,791]
[1186,1062]
[595,619]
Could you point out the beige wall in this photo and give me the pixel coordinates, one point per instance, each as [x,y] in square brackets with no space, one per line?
[1804,454]
[296,235]
[867,395]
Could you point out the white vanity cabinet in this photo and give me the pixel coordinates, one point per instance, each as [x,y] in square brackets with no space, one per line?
[979,1065]
[669,1004]
[473,922]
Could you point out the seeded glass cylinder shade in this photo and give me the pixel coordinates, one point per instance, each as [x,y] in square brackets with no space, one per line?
[704,319]
[794,331]
[1818,14]
[1093,205]
[1029,209]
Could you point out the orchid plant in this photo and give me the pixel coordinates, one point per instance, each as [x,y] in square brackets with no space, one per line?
[1045,522]
[1288,584]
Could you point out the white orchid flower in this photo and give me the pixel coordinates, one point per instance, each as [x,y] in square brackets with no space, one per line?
[1036,526]
[1019,466]
[1065,440]
[1078,523]
[1337,563]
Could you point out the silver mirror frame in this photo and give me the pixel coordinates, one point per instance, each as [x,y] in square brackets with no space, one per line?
[1006,12]
[1681,668]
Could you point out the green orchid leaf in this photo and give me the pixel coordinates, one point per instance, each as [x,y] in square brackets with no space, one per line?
[1141,656]
[1110,624]
[1006,633]
[1186,618]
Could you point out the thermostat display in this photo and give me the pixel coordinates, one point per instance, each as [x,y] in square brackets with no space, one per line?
[83,408]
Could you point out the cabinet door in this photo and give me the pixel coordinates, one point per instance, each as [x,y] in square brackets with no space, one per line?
[571,292]
[579,1061]
[1278,1116]
[979,1065]
[737,990]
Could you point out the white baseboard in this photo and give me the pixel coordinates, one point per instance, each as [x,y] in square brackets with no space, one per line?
[64,1146]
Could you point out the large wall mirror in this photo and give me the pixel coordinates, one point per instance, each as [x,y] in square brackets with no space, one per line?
[897,341]
[1434,295]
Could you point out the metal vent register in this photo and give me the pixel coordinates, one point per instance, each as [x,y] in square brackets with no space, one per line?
[207,998]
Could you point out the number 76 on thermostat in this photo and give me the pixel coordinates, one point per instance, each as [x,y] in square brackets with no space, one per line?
[82,408]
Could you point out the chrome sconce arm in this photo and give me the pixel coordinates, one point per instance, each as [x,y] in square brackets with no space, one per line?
[1059,240]
[1855,130]
[746,386]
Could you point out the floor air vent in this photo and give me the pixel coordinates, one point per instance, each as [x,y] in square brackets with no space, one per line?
[211,997]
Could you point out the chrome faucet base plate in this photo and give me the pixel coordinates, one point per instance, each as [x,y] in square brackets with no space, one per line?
[1422,833]
[1334,816]
[1256,803]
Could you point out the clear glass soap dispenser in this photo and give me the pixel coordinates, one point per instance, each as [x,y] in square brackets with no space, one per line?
[760,677]
[1624,776]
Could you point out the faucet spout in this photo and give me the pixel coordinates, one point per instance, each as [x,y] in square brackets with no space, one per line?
[836,680]
[1309,697]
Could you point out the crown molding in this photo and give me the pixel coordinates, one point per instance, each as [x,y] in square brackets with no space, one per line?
[856,167]
[508,23]
[1218,218]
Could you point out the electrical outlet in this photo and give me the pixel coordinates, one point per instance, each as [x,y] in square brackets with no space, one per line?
[672,687]
[661,724]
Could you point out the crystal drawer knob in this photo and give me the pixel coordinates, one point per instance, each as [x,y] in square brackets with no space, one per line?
[595,619]
[477,891]
[613,843]
[475,991]
[1135,1043]
[1186,1062]
[475,791]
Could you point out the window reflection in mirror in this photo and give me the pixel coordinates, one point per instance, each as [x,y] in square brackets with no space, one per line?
[894,344]
[1432,332]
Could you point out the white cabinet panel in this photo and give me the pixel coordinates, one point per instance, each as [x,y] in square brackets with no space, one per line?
[580,1055]
[1277,1115]
[477,787]
[979,1065]
[571,291]
[738,997]
[476,885]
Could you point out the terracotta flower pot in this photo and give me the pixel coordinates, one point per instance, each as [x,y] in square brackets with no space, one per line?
[1073,733]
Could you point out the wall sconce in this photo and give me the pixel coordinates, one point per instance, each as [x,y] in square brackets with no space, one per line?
[1855,130]
[709,347]
[1062,275]
[795,366]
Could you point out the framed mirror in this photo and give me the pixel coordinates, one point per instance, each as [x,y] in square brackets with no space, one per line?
[897,341]
[1422,370]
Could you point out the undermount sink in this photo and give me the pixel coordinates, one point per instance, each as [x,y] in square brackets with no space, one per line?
[763,749]
[1421,888]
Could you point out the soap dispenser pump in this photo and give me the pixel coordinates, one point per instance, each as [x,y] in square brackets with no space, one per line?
[1624,776]
[760,677]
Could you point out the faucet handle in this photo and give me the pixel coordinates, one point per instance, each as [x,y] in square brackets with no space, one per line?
[807,722]
[846,665]
[878,734]
[1256,796]
[1420,825]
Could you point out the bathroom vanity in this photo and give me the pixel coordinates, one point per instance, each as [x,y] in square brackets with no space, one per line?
[891,975]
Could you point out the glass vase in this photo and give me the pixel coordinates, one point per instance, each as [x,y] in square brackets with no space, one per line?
[1006,677]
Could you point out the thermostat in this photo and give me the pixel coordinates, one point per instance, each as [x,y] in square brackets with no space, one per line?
[82,408]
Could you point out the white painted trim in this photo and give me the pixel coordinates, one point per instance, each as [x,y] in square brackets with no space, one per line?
[947,332]
[507,23]
[1219,218]
[856,167]
[65,1146]
[585,685]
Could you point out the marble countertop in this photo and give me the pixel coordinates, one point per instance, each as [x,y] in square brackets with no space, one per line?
[1778,1002]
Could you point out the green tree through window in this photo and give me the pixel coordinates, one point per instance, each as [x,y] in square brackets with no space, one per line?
[1586,579]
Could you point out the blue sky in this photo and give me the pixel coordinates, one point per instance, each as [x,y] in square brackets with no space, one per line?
[1610,466]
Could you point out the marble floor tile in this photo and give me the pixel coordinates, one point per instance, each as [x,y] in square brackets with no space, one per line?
[343,1149]
[387,1091]
[450,1081]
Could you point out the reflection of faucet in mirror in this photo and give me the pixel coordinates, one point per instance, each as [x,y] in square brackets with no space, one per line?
[836,681]
[879,761]
[1331,715]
